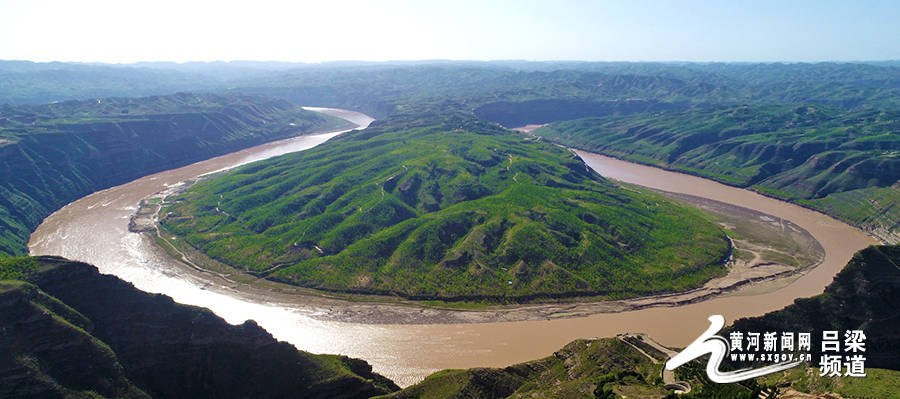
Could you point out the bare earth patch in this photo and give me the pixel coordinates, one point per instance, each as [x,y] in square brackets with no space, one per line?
[528,129]
[790,393]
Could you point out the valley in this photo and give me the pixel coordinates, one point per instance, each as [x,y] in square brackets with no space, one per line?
[839,162]
[91,320]
[408,352]
[765,253]
[58,152]
[449,200]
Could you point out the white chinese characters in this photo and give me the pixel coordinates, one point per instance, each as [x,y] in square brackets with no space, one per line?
[782,349]
[833,364]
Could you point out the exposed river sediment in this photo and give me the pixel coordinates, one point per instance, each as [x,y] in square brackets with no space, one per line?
[94,229]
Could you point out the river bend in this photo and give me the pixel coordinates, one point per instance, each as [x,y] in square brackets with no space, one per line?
[94,229]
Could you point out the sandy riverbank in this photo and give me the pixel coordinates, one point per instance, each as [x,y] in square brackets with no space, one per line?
[94,229]
[768,253]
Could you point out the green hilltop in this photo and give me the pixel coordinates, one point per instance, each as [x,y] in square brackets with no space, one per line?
[844,163]
[689,102]
[446,209]
[581,369]
[427,207]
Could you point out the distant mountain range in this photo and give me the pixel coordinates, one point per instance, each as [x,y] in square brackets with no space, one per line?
[436,201]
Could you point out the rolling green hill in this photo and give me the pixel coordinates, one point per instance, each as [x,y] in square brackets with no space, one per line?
[67,331]
[845,163]
[53,154]
[446,209]
[432,208]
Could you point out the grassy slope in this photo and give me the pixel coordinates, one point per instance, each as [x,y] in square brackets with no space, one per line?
[99,336]
[568,89]
[53,355]
[575,371]
[55,153]
[607,368]
[878,383]
[843,163]
[863,295]
[455,209]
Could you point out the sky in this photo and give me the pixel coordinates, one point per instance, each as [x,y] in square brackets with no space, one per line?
[126,31]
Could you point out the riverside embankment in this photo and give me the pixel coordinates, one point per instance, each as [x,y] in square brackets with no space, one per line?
[94,229]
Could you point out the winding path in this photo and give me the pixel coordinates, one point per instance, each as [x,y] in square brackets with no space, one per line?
[668,376]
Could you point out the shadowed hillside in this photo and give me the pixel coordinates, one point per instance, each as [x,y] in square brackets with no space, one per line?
[846,164]
[862,296]
[56,153]
[71,332]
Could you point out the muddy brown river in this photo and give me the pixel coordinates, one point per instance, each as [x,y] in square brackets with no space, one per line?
[94,229]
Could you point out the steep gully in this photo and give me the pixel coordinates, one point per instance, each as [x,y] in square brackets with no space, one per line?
[94,229]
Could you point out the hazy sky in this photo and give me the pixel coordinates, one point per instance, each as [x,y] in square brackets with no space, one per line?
[163,30]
